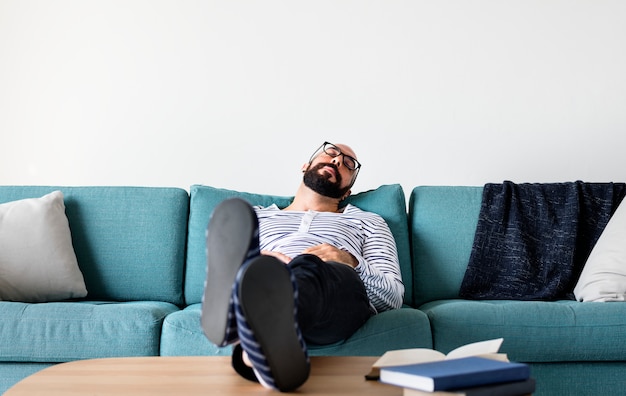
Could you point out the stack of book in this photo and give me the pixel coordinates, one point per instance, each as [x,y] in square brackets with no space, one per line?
[472,370]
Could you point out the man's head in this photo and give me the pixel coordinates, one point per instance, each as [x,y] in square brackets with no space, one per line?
[331,170]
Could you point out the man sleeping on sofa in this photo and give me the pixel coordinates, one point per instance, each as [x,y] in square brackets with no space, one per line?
[314,271]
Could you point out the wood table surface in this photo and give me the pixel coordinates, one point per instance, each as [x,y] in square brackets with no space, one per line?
[192,375]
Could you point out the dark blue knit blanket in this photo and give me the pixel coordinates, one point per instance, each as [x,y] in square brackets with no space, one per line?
[532,240]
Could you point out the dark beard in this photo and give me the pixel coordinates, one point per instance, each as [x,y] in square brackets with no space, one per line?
[321,184]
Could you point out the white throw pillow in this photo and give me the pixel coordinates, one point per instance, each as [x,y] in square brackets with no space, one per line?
[604,276]
[37,259]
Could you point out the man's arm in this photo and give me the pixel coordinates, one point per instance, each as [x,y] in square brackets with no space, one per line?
[379,266]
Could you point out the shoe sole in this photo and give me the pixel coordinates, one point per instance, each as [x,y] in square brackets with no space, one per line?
[231,229]
[266,299]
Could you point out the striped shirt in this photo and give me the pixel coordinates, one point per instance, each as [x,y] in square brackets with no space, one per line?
[365,235]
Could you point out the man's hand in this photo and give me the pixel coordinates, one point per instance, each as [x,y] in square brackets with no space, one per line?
[330,253]
[282,257]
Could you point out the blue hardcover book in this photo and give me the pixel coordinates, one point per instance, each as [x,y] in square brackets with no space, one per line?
[454,373]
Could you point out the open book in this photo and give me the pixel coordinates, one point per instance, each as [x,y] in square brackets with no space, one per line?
[487,349]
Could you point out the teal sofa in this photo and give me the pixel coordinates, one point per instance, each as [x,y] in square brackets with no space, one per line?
[141,252]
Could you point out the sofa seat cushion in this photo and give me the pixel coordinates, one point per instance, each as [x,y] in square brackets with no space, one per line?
[65,331]
[396,329]
[182,335]
[533,331]
[11,373]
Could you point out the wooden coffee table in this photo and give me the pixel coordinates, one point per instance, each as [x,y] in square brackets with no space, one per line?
[192,375]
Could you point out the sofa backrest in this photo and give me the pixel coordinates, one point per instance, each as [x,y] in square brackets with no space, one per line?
[389,201]
[442,222]
[129,241]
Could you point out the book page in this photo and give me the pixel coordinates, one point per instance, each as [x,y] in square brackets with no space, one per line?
[475,349]
[408,356]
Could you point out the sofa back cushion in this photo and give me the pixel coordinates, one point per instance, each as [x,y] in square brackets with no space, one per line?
[129,241]
[389,201]
[443,223]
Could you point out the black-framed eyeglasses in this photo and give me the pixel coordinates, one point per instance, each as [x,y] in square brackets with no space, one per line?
[333,151]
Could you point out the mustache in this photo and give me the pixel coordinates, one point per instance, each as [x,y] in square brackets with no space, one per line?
[329,164]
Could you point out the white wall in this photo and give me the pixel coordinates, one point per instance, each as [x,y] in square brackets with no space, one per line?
[237,94]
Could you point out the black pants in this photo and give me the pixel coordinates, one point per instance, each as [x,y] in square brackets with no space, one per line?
[332,301]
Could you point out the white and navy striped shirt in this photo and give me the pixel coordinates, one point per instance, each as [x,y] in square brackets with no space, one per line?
[364,234]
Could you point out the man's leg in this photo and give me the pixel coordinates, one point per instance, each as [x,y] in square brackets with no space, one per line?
[232,237]
[259,292]
[265,301]
[332,300]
